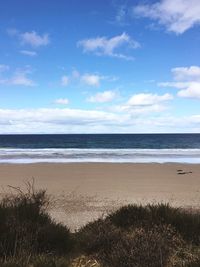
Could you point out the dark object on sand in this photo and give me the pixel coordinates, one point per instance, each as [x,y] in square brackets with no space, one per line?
[183,172]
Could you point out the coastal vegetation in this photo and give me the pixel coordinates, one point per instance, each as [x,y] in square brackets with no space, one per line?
[133,236]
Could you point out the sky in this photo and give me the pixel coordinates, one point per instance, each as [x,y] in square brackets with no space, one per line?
[99,66]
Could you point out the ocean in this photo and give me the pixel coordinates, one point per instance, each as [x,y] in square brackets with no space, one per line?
[136,148]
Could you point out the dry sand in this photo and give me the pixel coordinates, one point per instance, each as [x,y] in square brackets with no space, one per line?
[82,192]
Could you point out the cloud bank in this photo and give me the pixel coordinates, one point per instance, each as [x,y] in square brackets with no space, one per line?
[67,120]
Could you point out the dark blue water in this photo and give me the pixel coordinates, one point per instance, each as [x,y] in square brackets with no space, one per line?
[100,148]
[109,141]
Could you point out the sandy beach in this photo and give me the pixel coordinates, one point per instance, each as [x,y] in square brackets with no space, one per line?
[85,191]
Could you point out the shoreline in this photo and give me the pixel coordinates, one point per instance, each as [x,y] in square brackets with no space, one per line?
[82,192]
[96,162]
[93,155]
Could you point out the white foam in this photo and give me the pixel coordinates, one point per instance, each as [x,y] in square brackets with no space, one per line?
[100,155]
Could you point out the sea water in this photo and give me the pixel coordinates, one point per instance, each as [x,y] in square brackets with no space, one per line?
[136,148]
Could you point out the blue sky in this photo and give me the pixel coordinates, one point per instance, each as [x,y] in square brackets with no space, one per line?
[99,66]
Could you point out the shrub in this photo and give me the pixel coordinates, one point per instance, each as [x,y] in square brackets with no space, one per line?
[129,216]
[84,261]
[186,223]
[143,247]
[134,236]
[27,229]
[48,261]
[38,261]
[54,238]
[97,236]
[133,247]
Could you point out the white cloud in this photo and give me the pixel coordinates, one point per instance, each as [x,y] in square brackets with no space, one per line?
[58,120]
[64,80]
[192,91]
[186,73]
[177,16]
[28,53]
[144,103]
[34,39]
[20,77]
[62,101]
[31,38]
[47,115]
[187,80]
[102,97]
[186,89]
[91,79]
[148,99]
[149,109]
[194,119]
[105,46]
[178,85]
[66,120]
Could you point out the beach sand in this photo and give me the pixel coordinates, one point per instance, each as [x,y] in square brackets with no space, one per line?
[81,192]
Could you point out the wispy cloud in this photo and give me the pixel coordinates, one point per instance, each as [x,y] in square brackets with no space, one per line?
[19,77]
[187,80]
[61,101]
[177,16]
[102,97]
[103,46]
[121,15]
[64,80]
[34,39]
[91,79]
[31,38]
[28,53]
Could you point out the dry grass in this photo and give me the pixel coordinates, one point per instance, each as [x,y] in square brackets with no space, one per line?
[84,261]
